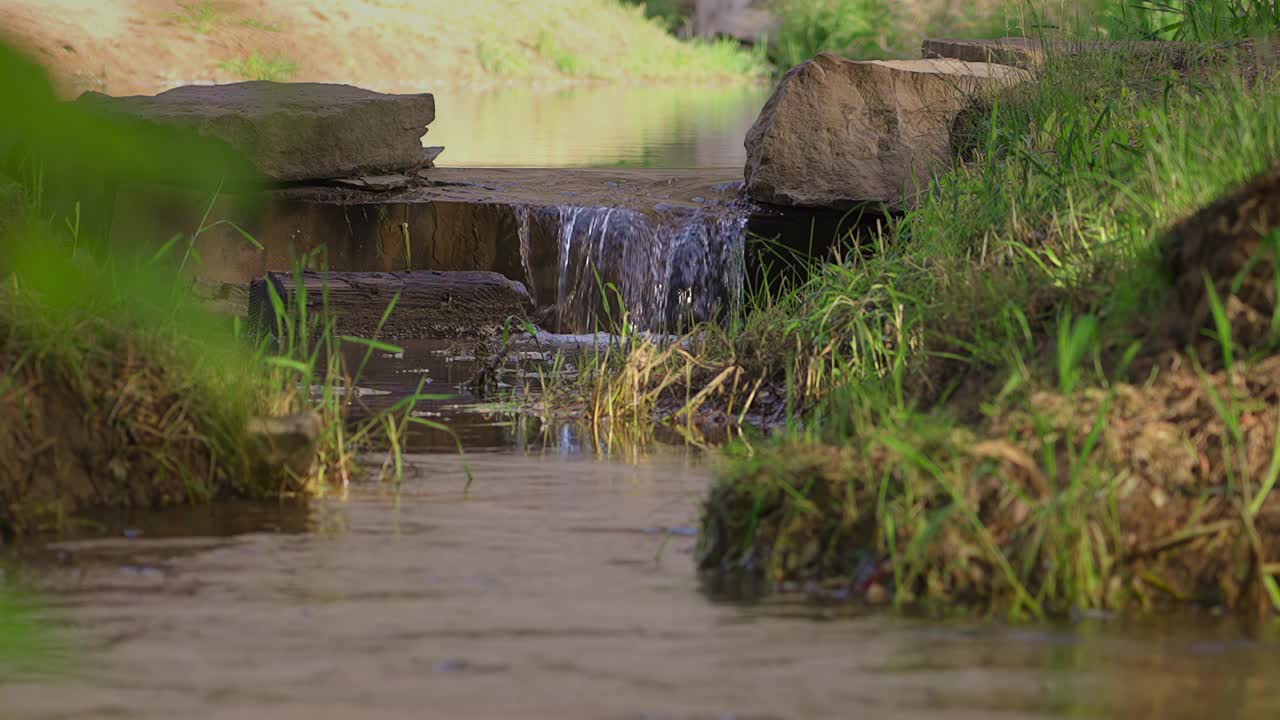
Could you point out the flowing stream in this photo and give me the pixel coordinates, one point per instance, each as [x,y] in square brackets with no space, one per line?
[667,269]
[562,582]
[559,586]
[669,265]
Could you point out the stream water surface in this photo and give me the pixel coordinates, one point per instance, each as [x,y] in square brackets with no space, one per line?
[562,582]
[558,587]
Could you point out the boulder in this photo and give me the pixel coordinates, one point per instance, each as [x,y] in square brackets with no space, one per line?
[294,131]
[838,133]
[1031,53]
[1019,51]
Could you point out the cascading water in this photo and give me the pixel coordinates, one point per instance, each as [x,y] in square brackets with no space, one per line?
[522,232]
[667,269]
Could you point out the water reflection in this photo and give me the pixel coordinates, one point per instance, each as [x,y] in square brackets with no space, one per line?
[495,421]
[597,126]
[565,588]
[1183,668]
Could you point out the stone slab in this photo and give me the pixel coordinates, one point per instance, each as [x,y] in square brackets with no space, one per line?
[295,131]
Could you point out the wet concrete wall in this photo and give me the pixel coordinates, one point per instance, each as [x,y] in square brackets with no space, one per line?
[349,237]
[368,235]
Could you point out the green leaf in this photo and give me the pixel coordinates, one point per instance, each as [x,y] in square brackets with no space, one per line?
[289,364]
[372,344]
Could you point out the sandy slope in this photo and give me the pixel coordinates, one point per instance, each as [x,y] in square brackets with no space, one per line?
[127,47]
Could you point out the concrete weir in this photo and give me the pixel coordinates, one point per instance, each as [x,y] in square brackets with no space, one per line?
[669,246]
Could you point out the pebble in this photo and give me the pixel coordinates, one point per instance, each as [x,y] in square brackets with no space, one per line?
[877,595]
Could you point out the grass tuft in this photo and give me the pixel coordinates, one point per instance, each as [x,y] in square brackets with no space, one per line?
[274,68]
[202,17]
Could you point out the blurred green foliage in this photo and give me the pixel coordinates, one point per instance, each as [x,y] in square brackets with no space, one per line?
[26,639]
[275,68]
[852,28]
[62,270]
[671,13]
[100,144]
[1188,20]
[70,156]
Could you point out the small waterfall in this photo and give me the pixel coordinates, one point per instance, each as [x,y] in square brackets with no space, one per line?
[522,232]
[669,269]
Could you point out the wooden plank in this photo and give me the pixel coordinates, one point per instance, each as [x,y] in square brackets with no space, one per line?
[431,304]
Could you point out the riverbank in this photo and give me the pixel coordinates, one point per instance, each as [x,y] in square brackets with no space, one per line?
[374,44]
[119,388]
[1020,395]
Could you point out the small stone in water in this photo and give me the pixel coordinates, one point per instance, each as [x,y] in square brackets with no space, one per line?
[877,594]
[143,571]
[449,665]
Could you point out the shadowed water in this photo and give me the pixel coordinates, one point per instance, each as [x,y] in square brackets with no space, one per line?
[557,588]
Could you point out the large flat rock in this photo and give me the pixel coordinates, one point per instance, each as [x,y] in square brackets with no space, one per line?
[1032,53]
[295,131]
[641,189]
[1019,51]
[838,133]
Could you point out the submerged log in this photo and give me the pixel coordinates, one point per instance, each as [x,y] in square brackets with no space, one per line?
[429,303]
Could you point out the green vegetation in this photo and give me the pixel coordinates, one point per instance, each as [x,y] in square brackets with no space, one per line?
[604,40]
[501,59]
[672,14]
[853,28]
[566,61]
[109,368]
[860,29]
[26,644]
[202,17]
[117,386]
[874,29]
[693,59]
[259,67]
[1049,387]
[1195,20]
